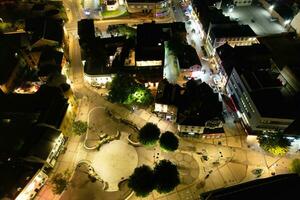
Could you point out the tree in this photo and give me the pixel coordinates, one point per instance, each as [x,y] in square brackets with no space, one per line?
[79,127]
[274,143]
[296,166]
[60,182]
[121,87]
[125,90]
[166,176]
[142,181]
[149,134]
[168,141]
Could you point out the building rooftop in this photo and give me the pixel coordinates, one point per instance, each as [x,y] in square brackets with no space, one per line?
[244,58]
[198,104]
[86,29]
[188,57]
[49,29]
[277,187]
[48,105]
[271,102]
[9,46]
[231,31]
[167,93]
[50,61]
[21,141]
[284,48]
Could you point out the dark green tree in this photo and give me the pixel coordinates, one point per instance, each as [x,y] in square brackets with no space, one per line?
[121,87]
[296,166]
[142,181]
[168,141]
[166,176]
[125,90]
[60,182]
[274,143]
[149,134]
[79,127]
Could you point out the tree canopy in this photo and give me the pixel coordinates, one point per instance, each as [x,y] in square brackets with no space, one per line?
[166,176]
[168,141]
[274,143]
[149,134]
[125,90]
[60,182]
[122,29]
[296,166]
[79,127]
[142,181]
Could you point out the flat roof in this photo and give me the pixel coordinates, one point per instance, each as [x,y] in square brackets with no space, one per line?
[231,30]
[272,103]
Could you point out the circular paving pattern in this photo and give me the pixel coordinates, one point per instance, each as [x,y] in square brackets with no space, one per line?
[115,162]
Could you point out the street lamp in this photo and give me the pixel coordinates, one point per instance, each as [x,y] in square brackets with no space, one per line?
[271,7]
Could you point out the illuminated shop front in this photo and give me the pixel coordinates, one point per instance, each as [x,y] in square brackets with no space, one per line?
[98,80]
[33,186]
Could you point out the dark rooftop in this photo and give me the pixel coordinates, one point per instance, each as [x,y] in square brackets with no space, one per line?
[167,93]
[50,61]
[244,58]
[86,29]
[50,29]
[231,30]
[48,105]
[272,103]
[278,187]
[9,46]
[285,49]
[188,57]
[21,139]
[198,104]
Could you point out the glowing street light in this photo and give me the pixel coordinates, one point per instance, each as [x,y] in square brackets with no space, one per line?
[271,7]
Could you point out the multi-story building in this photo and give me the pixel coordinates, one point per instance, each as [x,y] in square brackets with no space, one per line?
[200,111]
[31,140]
[166,100]
[264,95]
[143,59]
[233,34]
[158,8]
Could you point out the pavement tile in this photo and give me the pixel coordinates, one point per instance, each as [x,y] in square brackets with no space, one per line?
[186,195]
[173,196]
[238,170]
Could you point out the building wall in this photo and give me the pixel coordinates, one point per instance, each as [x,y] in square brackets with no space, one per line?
[168,112]
[248,112]
[98,80]
[212,44]
[159,9]
[242,2]
[191,129]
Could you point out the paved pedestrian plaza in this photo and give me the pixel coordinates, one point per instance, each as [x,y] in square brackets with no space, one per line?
[115,162]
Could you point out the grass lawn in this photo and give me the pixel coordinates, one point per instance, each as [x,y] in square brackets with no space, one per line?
[114,13]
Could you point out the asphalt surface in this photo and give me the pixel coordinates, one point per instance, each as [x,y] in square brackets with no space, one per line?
[257,18]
